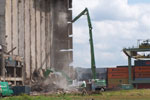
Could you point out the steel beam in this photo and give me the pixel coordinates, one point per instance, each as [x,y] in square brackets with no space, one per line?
[129,68]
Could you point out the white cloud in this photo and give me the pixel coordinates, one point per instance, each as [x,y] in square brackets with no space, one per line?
[115,28]
[116,10]
[145,21]
[108,56]
[80,35]
[102,47]
[79,5]
[116,25]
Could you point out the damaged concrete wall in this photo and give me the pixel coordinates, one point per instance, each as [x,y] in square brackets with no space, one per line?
[40,30]
[2,22]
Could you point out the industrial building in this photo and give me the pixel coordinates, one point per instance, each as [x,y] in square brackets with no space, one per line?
[38,33]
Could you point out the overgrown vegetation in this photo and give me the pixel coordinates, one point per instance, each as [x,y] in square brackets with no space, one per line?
[143,94]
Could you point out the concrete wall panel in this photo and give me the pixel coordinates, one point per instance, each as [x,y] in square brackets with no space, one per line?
[38,34]
[27,37]
[43,54]
[33,35]
[49,31]
[8,24]
[21,25]
[15,26]
[2,7]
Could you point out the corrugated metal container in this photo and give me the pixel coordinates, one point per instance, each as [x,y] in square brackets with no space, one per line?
[118,81]
[142,79]
[110,86]
[142,69]
[120,86]
[127,86]
[125,66]
[142,62]
[142,75]
[21,90]
[143,86]
[117,75]
[113,86]
[118,70]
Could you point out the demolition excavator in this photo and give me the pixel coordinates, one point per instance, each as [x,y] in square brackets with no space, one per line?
[97,84]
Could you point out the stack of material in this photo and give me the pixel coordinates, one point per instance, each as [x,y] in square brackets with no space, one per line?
[142,73]
[142,62]
[117,76]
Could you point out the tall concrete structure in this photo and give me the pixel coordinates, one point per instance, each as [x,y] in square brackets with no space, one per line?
[2,22]
[40,30]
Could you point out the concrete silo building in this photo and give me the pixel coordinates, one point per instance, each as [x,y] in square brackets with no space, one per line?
[40,31]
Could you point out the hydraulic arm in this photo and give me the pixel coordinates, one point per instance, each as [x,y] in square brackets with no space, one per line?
[86,12]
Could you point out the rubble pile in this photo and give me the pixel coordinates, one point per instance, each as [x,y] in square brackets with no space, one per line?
[55,83]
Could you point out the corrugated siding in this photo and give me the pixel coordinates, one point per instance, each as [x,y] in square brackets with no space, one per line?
[39,30]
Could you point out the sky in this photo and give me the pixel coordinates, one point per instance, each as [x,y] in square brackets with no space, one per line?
[117,24]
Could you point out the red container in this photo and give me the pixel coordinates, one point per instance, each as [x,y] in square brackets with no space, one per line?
[118,70]
[142,75]
[118,75]
[111,86]
[139,69]
[118,81]
[143,86]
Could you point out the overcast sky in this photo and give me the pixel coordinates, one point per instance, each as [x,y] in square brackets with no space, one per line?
[116,24]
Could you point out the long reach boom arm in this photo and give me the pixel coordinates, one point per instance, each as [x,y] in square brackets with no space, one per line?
[93,66]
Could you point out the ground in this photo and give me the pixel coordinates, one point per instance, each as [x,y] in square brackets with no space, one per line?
[143,94]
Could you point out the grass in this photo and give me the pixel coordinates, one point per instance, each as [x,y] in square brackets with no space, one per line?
[143,94]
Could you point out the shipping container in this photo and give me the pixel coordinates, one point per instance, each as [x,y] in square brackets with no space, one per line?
[118,81]
[142,62]
[142,75]
[113,86]
[125,66]
[143,86]
[139,69]
[118,75]
[18,90]
[127,86]
[118,70]
[142,79]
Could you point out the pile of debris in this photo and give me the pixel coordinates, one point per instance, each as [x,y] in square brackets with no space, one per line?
[54,83]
